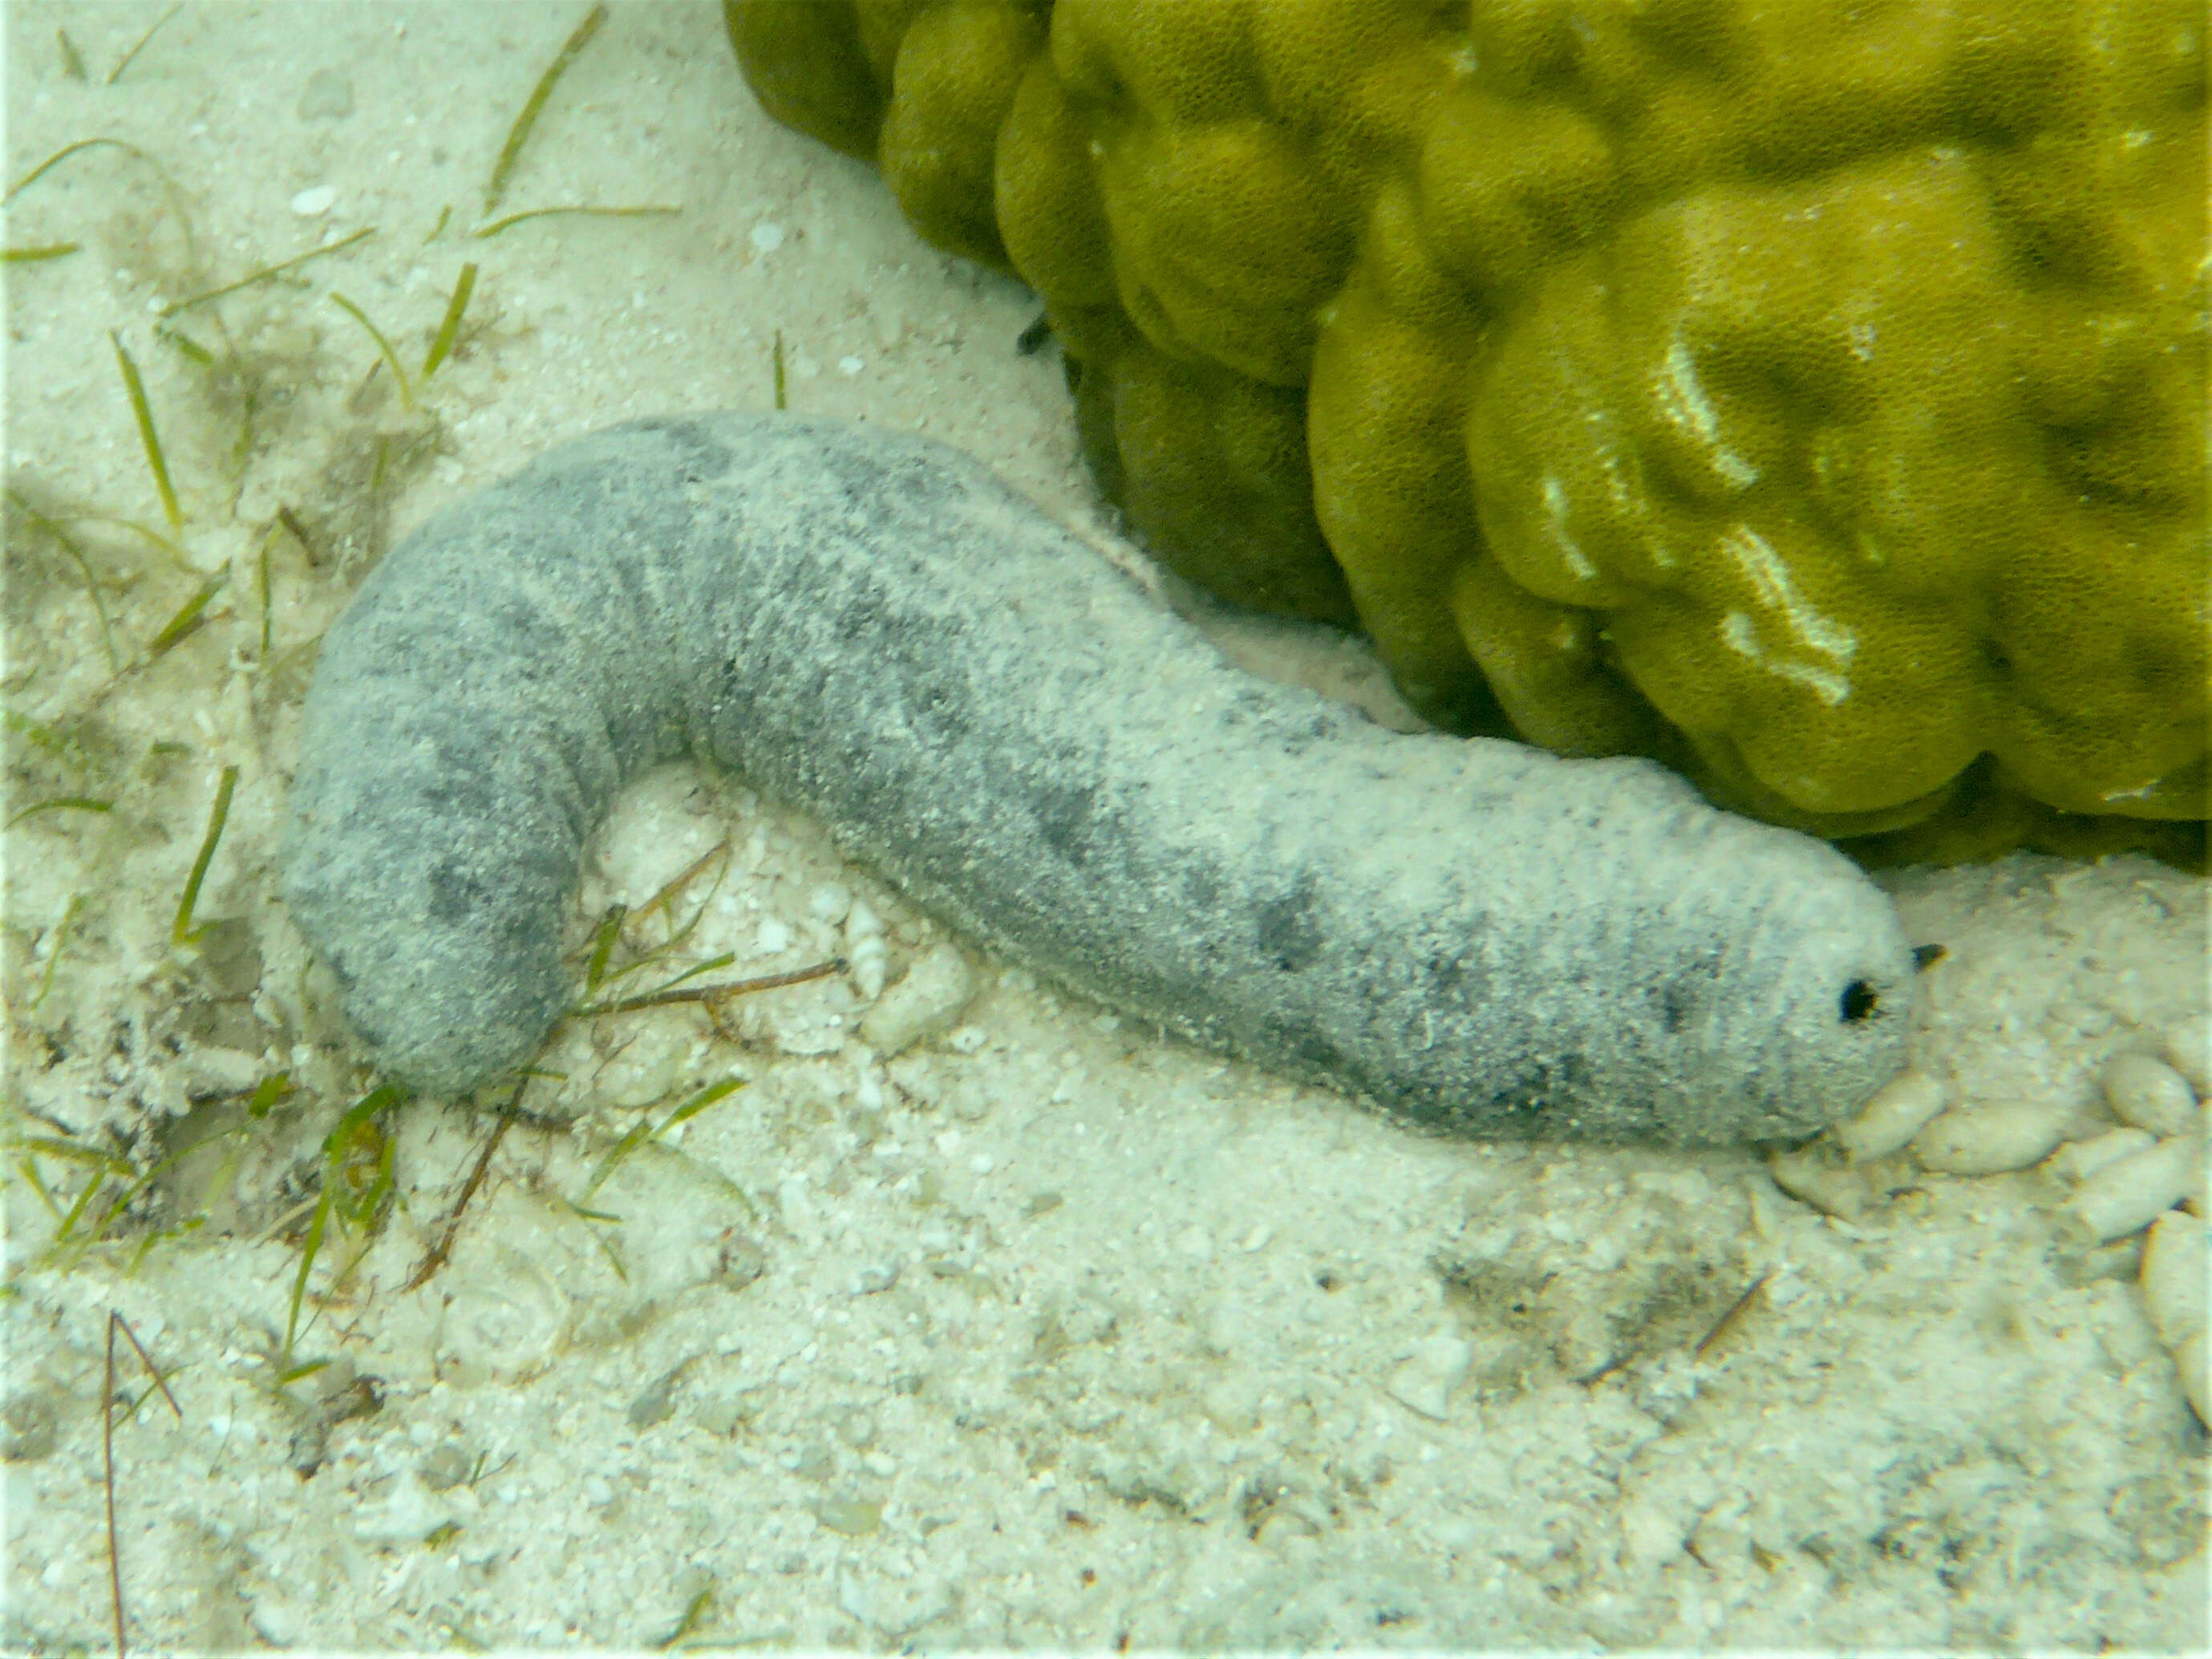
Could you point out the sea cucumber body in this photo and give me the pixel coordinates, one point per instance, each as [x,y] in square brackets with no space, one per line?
[872,627]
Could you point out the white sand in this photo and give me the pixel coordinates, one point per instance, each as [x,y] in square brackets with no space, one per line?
[1045,1335]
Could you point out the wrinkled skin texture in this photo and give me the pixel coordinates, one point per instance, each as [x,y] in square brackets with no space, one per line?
[1812,396]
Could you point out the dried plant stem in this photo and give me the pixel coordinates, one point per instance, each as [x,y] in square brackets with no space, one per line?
[117,1322]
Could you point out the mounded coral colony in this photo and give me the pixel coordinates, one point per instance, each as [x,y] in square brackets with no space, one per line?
[1810,395]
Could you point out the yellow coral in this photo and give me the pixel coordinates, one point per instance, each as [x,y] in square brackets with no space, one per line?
[1810,394]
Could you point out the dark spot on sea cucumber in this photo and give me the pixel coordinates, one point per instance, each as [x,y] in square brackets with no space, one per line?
[1066,816]
[1859,1002]
[456,892]
[1289,930]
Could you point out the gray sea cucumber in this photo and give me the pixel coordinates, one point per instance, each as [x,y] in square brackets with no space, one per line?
[870,626]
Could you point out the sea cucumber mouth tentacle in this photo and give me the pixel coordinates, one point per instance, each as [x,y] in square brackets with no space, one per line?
[871,627]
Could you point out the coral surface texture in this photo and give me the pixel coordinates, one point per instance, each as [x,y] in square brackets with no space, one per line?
[1811,395]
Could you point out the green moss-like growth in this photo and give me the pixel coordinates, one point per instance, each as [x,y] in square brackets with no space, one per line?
[1810,395]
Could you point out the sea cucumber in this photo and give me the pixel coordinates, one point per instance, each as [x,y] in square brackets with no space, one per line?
[871,627]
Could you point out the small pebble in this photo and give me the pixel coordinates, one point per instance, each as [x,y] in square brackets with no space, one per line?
[738,1262]
[2077,1160]
[1813,1175]
[446,1467]
[313,202]
[927,1001]
[726,1413]
[876,1279]
[797,1207]
[1898,1111]
[2192,1357]
[867,953]
[2177,1264]
[2130,1192]
[1232,1405]
[657,1403]
[2150,1094]
[2188,1049]
[869,961]
[851,1518]
[1424,1383]
[1990,1140]
[328,96]
[28,1426]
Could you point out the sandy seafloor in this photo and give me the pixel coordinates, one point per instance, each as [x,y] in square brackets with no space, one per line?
[1045,1334]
